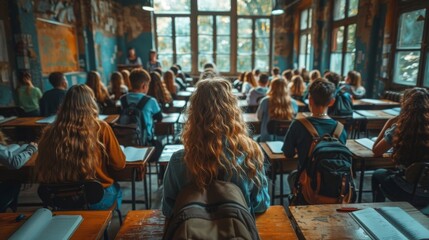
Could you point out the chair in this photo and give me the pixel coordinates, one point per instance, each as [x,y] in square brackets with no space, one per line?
[418,174]
[278,128]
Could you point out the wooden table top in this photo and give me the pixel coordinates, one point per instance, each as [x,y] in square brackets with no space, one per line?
[375,114]
[179,103]
[149,224]
[169,118]
[324,222]
[92,227]
[167,152]
[31,121]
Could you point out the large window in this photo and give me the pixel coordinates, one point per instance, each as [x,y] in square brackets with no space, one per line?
[343,44]
[305,39]
[233,34]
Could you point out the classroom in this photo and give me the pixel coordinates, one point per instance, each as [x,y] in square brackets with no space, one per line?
[199,119]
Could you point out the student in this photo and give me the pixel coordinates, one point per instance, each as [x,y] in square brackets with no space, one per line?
[287,75]
[408,135]
[208,73]
[170,84]
[51,100]
[178,80]
[153,62]
[275,73]
[238,83]
[117,88]
[140,81]
[298,140]
[256,74]
[132,58]
[305,75]
[211,66]
[101,95]
[249,83]
[276,105]
[126,77]
[12,160]
[315,74]
[343,105]
[216,140]
[256,94]
[297,87]
[28,95]
[159,91]
[353,85]
[78,146]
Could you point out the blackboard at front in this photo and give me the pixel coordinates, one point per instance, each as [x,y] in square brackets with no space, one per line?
[57,47]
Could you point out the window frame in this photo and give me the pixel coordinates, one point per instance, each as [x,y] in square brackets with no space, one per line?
[306,31]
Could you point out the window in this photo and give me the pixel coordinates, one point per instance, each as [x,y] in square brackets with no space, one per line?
[233,34]
[305,39]
[343,44]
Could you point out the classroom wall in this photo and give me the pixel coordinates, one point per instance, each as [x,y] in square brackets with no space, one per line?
[6,66]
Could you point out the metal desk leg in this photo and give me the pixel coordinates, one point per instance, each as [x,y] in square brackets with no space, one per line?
[146,196]
[133,188]
[273,181]
[362,175]
[281,182]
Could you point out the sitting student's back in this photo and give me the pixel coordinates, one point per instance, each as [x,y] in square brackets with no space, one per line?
[52,99]
[353,85]
[256,94]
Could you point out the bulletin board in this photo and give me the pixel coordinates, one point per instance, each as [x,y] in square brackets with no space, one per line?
[57,46]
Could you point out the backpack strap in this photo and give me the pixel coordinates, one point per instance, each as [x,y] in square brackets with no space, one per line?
[142,102]
[338,130]
[310,128]
[124,102]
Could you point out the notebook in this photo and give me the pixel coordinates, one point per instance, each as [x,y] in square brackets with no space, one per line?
[366,142]
[365,113]
[42,225]
[52,118]
[133,154]
[390,223]
[373,101]
[6,119]
[275,146]
[168,151]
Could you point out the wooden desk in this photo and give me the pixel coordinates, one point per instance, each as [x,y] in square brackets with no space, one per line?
[378,104]
[372,119]
[183,95]
[92,227]
[178,106]
[149,224]
[324,222]
[32,121]
[166,126]
[251,119]
[167,152]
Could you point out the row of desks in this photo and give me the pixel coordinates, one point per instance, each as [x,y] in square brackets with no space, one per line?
[304,222]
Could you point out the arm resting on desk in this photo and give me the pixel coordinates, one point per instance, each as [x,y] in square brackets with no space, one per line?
[16,161]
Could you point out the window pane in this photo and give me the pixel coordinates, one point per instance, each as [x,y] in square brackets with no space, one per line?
[349,63]
[223,25]
[184,61]
[262,28]
[183,26]
[310,17]
[166,59]
[336,62]
[262,46]
[351,38]
[244,46]
[304,19]
[353,7]
[163,26]
[410,29]
[406,67]
[205,25]
[337,39]
[203,59]
[339,9]
[426,76]
[254,7]
[301,60]
[208,5]
[244,63]
[223,63]
[262,63]
[183,44]
[205,43]
[308,51]
[244,27]
[303,44]
[172,6]
[165,45]
[223,44]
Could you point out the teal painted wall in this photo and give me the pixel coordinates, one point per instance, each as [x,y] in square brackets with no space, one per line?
[106,60]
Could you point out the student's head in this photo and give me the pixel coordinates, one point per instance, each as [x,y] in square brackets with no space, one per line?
[175,70]
[410,141]
[279,107]
[156,88]
[116,81]
[69,148]
[315,74]
[131,52]
[256,72]
[158,70]
[126,77]
[305,75]
[249,78]
[333,77]
[321,93]
[209,65]
[242,77]
[287,75]
[58,80]
[296,72]
[354,78]
[152,55]
[207,74]
[24,79]
[298,86]
[94,82]
[276,71]
[139,79]
[263,80]
[213,115]
[178,66]
[168,78]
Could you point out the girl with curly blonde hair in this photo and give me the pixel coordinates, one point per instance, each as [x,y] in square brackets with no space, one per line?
[78,146]
[216,142]
[408,135]
[276,105]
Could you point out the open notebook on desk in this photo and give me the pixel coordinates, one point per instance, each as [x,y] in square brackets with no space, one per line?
[133,154]
[390,223]
[369,143]
[52,118]
[6,119]
[365,113]
[42,225]
[168,151]
[275,146]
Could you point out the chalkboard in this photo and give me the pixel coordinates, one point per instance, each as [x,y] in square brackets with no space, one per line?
[57,46]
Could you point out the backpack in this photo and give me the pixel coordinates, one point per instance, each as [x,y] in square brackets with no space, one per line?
[219,211]
[343,105]
[326,176]
[130,129]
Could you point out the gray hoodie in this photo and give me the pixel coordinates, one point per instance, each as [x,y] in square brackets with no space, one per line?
[255,95]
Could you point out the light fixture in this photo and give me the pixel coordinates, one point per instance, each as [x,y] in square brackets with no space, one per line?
[148,5]
[277,10]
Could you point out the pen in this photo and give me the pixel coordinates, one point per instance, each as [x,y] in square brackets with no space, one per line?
[347,209]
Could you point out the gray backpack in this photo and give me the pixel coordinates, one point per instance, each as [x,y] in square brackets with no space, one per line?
[218,212]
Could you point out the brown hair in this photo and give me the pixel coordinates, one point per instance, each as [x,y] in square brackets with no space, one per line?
[169,81]
[126,77]
[279,106]
[94,82]
[321,91]
[355,78]
[138,77]
[298,86]
[249,78]
[116,83]
[158,90]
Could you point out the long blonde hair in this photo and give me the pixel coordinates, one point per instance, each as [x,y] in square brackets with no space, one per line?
[94,82]
[215,135]
[298,86]
[250,78]
[279,106]
[70,149]
[116,81]
[168,79]
[126,77]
